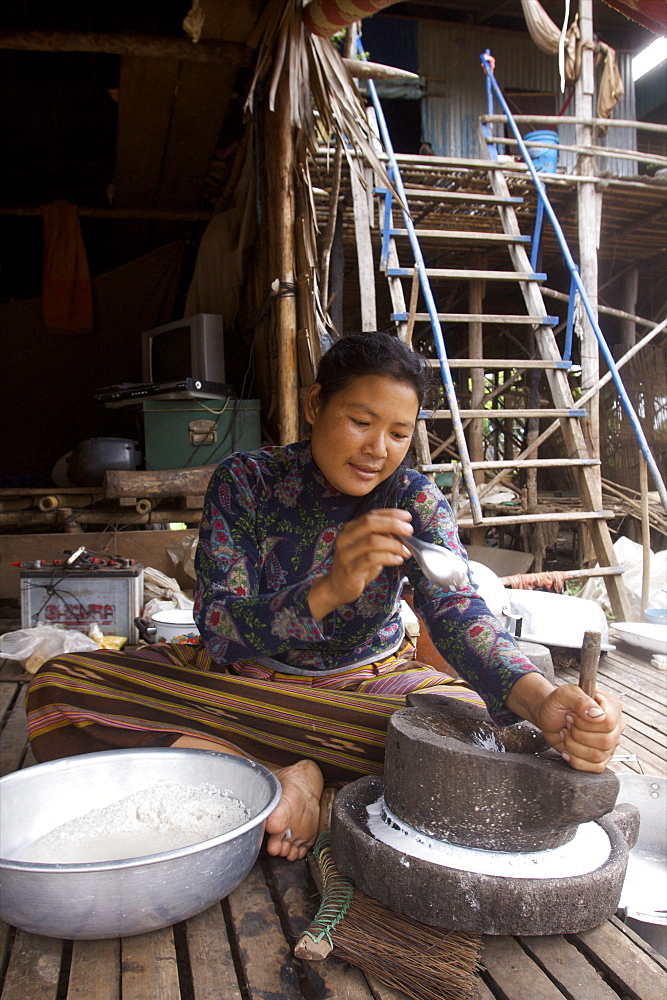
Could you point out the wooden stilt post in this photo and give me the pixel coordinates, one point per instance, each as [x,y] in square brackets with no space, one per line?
[476,350]
[628,326]
[288,390]
[588,213]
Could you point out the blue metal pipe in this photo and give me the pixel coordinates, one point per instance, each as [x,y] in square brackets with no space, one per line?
[576,278]
[567,353]
[457,424]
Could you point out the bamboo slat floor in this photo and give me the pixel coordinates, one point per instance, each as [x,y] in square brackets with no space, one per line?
[241,948]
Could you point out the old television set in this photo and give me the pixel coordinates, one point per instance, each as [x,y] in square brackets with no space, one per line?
[192,347]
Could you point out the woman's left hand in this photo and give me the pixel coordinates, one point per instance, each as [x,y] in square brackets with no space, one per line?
[584,730]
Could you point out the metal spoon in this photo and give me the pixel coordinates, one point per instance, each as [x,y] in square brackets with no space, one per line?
[440,565]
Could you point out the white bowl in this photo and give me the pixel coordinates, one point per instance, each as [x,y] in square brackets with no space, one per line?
[652,638]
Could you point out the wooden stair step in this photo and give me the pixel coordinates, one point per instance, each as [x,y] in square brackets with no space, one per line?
[481,318]
[468,274]
[508,463]
[485,414]
[461,236]
[578,515]
[443,194]
[502,364]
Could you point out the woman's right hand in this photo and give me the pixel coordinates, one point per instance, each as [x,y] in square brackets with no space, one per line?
[363,548]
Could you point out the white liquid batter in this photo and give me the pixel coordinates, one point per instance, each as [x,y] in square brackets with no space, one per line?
[164,817]
[586,852]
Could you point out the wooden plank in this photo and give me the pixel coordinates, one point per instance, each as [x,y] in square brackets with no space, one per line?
[631,969]
[645,706]
[485,414]
[443,194]
[483,992]
[365,266]
[149,967]
[126,44]
[95,970]
[470,274]
[491,318]
[511,463]
[568,968]
[513,972]
[298,902]
[34,968]
[264,953]
[164,483]
[211,963]
[496,363]
[639,942]
[579,515]
[145,99]
[462,236]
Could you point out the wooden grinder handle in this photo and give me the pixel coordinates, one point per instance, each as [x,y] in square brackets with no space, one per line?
[588,665]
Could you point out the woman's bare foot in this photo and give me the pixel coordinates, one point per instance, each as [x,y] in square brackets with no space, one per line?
[292,826]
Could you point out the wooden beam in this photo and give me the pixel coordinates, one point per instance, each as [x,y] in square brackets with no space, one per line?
[363,70]
[158,483]
[182,50]
[150,214]
[573,120]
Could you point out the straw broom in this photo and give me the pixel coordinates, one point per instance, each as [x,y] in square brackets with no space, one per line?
[426,963]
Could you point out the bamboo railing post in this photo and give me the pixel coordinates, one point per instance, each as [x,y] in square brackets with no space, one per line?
[646,535]
[282,163]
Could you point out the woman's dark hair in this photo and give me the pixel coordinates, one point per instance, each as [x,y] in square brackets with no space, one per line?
[358,355]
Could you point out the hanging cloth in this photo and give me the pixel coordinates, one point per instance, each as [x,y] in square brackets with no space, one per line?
[67,304]
[611,88]
[547,36]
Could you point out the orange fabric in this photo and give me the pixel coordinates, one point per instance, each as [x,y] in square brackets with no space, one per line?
[326,17]
[67,304]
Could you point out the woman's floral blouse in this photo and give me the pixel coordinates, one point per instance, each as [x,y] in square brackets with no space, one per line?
[268,529]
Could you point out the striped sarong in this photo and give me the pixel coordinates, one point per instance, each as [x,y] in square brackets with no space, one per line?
[81,703]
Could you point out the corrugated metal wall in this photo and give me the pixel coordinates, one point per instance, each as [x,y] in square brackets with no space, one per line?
[618,138]
[456,96]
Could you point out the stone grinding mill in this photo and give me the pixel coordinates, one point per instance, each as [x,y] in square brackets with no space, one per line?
[483,829]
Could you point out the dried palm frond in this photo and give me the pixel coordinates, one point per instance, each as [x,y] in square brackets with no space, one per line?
[318,79]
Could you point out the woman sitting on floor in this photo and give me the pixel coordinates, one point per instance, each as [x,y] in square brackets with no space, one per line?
[303,657]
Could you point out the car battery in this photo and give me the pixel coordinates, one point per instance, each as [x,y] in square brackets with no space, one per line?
[110,597]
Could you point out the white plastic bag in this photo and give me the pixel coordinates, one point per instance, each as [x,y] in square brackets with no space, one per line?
[36,645]
[164,588]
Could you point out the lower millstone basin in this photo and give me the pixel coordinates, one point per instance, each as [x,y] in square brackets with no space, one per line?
[483,829]
[551,901]
[453,775]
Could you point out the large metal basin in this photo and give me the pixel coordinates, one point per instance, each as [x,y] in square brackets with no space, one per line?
[643,903]
[121,898]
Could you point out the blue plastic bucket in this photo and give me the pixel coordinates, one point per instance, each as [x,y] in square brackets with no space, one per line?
[545,160]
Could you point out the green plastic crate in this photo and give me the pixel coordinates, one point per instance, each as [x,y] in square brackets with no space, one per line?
[171,443]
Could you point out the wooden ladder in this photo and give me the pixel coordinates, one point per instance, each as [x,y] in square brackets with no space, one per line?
[470,459]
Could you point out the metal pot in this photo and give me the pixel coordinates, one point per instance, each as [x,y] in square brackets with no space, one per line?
[643,904]
[133,896]
[175,625]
